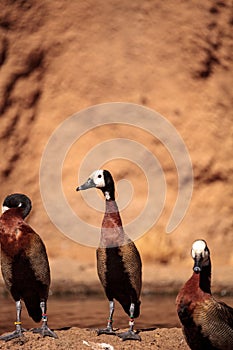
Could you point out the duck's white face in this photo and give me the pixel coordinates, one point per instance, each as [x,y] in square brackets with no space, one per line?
[198,247]
[98,178]
[200,250]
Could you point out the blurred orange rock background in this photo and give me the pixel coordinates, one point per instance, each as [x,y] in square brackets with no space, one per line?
[59,57]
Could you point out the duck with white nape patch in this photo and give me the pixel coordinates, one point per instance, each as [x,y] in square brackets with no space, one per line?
[207,324]
[24,263]
[118,260]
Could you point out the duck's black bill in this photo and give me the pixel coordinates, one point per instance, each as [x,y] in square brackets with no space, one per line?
[88,184]
[197,264]
[197,269]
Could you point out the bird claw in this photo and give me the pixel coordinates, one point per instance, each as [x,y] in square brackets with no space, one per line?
[129,335]
[16,334]
[107,330]
[45,331]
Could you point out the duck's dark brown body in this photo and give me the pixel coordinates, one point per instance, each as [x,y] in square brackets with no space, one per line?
[24,262]
[119,276]
[118,262]
[207,324]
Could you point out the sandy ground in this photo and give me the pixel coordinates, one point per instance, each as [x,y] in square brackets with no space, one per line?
[74,338]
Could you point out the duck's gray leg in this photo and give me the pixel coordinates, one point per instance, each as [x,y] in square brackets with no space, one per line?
[19,330]
[44,330]
[130,334]
[108,329]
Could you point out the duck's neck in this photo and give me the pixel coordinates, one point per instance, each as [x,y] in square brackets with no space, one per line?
[13,213]
[112,233]
[205,279]
[109,194]
[111,207]
[201,281]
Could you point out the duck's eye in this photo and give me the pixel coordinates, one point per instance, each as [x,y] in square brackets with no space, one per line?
[99,176]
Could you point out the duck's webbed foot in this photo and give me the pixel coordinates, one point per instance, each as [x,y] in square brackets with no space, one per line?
[107,330]
[18,333]
[45,331]
[129,335]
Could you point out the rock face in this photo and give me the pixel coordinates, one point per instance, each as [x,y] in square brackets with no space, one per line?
[59,57]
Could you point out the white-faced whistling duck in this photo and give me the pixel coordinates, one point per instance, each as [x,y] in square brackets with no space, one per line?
[207,324]
[118,260]
[24,264]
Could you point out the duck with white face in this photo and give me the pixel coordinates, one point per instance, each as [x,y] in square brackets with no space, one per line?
[206,323]
[24,264]
[118,260]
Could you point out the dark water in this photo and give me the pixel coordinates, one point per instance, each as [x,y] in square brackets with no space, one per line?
[92,312]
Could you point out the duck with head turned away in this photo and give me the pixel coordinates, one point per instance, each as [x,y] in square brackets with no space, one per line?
[207,324]
[24,263]
[118,260]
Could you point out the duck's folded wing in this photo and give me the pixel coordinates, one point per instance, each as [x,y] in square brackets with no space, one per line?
[215,320]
